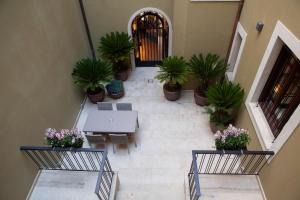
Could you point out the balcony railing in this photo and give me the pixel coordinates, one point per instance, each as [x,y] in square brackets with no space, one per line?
[71,159]
[224,163]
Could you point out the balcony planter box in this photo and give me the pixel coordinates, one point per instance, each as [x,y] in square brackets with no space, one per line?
[232,138]
[172,93]
[64,138]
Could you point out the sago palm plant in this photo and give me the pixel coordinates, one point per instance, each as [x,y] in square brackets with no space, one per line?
[92,74]
[206,68]
[173,71]
[116,47]
[223,97]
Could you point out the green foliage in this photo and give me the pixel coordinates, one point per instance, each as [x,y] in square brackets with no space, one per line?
[173,71]
[233,142]
[207,68]
[116,48]
[223,97]
[92,74]
[220,118]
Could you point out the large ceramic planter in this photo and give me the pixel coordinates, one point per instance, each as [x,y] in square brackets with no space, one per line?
[96,96]
[116,95]
[172,94]
[199,98]
[214,127]
[122,75]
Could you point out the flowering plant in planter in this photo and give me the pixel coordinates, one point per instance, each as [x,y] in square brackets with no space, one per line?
[64,138]
[232,138]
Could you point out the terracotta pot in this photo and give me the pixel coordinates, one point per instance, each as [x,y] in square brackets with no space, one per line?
[199,99]
[172,95]
[122,75]
[214,127]
[96,97]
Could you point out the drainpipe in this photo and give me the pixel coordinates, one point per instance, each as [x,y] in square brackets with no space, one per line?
[237,18]
[87,30]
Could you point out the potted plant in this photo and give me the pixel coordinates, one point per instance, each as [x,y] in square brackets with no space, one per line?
[64,138]
[232,138]
[173,71]
[116,47]
[91,75]
[115,89]
[206,69]
[224,98]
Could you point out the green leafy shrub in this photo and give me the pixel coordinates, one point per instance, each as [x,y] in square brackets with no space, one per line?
[232,138]
[116,48]
[223,97]
[206,69]
[92,74]
[173,71]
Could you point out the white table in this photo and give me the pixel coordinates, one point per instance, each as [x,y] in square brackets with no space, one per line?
[109,121]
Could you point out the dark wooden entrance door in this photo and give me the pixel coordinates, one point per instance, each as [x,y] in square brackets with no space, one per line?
[150,32]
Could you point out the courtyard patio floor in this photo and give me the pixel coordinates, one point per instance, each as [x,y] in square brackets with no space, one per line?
[157,168]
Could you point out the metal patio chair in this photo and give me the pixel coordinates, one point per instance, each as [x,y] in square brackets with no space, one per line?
[124,106]
[96,140]
[117,139]
[104,106]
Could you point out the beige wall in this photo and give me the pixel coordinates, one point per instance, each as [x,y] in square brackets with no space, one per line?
[40,42]
[281,178]
[198,27]
[105,16]
[208,28]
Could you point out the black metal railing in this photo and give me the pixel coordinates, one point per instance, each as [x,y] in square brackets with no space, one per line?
[224,163]
[194,183]
[75,159]
[105,178]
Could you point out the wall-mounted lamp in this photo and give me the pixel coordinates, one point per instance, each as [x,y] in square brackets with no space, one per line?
[259,26]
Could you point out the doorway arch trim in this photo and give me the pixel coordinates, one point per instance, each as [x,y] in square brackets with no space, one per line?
[155,10]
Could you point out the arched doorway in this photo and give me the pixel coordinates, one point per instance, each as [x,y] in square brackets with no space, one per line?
[151,31]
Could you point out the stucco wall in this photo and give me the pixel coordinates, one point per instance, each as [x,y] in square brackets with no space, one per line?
[40,42]
[281,178]
[198,27]
[208,28]
[105,16]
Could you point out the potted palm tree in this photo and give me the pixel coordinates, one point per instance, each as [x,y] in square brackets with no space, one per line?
[91,75]
[206,69]
[224,98]
[116,47]
[173,72]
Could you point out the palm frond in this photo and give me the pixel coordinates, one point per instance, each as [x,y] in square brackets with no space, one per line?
[115,47]
[91,74]
[206,68]
[173,70]
[225,95]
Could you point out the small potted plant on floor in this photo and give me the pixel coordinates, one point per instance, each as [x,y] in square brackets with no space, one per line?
[91,75]
[173,72]
[116,47]
[65,138]
[224,98]
[115,89]
[232,138]
[206,70]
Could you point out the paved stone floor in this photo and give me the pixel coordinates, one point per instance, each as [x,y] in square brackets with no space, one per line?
[169,131]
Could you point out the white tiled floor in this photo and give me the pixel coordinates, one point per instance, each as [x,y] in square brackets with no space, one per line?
[168,133]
